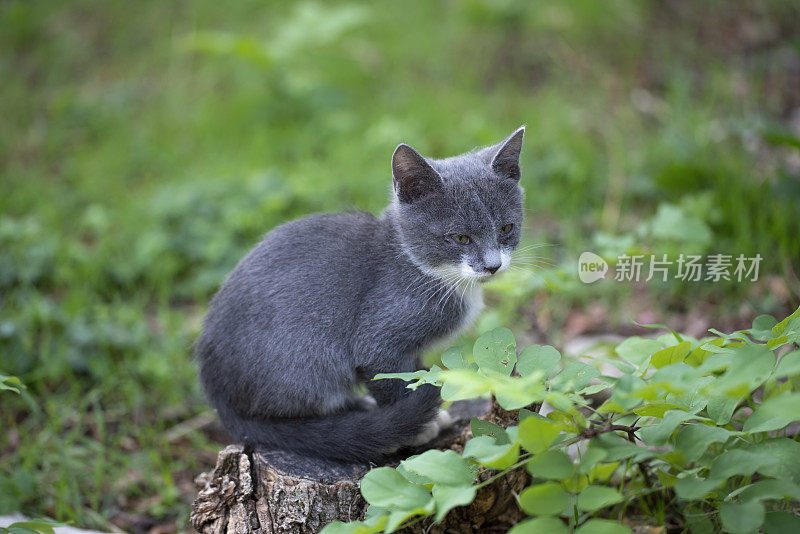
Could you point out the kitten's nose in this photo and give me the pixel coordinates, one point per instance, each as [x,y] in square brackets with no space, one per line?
[491,268]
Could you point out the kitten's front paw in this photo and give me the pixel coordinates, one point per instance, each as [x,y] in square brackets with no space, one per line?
[443,419]
[365,403]
[433,428]
[390,451]
[429,431]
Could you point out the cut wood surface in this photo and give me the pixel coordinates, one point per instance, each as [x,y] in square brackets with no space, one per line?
[262,491]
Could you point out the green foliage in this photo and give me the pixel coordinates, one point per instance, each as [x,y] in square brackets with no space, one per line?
[10,383]
[144,151]
[44,526]
[690,426]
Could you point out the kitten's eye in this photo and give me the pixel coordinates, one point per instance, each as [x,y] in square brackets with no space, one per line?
[507,229]
[461,239]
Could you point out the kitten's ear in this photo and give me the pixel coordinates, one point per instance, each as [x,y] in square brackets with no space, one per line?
[506,160]
[412,176]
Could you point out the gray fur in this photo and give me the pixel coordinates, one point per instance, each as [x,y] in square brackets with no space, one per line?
[326,302]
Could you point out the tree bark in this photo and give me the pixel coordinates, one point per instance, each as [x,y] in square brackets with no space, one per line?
[272,492]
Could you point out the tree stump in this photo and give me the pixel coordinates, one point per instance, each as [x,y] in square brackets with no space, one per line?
[272,492]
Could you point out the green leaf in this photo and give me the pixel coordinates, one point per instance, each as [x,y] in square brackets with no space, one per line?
[675,334]
[45,526]
[789,365]
[553,465]
[781,523]
[657,409]
[515,393]
[666,479]
[591,457]
[738,462]
[699,354]
[575,483]
[487,452]
[462,384]
[413,477]
[562,402]
[786,453]
[537,433]
[675,380]
[762,327]
[768,489]
[574,376]
[443,467]
[540,525]
[774,414]
[602,526]
[693,440]
[375,514]
[397,517]
[638,350]
[692,488]
[541,359]
[480,427]
[720,409]
[423,376]
[629,392]
[567,422]
[10,383]
[773,388]
[448,497]
[735,339]
[741,517]
[355,527]
[595,388]
[792,331]
[618,448]
[699,396]
[750,366]
[495,351]
[453,358]
[548,498]
[602,471]
[781,327]
[593,498]
[386,488]
[701,522]
[716,362]
[670,355]
[658,434]
[777,342]
[673,223]
[611,406]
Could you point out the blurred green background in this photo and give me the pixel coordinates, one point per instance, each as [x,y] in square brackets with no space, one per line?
[145,146]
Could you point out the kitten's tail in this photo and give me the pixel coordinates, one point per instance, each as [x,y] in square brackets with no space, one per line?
[352,436]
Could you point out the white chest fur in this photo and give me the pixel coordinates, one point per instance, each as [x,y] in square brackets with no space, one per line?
[473,305]
[471,300]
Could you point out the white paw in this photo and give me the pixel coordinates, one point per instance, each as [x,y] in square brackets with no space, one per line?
[429,431]
[432,428]
[366,402]
[443,419]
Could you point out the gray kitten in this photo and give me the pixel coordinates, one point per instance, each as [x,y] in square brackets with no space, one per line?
[325,303]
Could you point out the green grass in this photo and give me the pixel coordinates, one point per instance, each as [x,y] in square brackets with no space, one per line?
[144,148]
